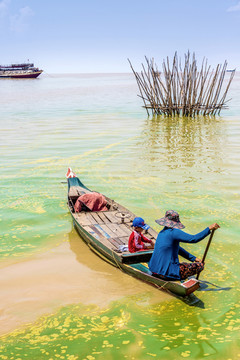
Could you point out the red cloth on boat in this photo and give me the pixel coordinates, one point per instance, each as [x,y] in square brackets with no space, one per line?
[94,201]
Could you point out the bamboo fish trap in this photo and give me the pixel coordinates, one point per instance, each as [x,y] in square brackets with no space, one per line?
[183,90]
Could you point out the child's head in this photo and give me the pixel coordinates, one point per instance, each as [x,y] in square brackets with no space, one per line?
[139,225]
[138,229]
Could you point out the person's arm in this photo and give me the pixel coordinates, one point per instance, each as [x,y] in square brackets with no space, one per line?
[188,238]
[186,255]
[139,246]
[146,240]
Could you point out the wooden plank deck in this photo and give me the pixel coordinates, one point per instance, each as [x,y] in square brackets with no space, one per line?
[114,243]
[97,218]
[152,233]
[116,230]
[108,230]
[106,227]
[111,216]
[124,239]
[101,215]
[91,218]
[82,219]
[93,230]
[126,228]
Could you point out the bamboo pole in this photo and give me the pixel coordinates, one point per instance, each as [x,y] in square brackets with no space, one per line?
[178,90]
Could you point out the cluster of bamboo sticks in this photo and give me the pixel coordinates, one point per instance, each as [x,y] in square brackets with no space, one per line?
[185,90]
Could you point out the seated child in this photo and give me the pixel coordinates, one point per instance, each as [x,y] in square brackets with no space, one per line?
[137,240]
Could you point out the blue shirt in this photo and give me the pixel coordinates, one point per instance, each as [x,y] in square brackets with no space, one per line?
[164,260]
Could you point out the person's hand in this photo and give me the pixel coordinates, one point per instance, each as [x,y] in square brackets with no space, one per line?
[214,226]
[197,260]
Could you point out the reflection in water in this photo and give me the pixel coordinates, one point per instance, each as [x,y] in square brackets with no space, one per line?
[190,300]
[114,281]
[84,256]
[205,286]
[78,246]
[193,300]
[184,142]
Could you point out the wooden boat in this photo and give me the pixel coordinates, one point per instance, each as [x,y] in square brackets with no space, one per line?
[107,233]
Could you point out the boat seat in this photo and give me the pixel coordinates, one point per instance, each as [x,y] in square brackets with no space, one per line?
[137,257]
[142,267]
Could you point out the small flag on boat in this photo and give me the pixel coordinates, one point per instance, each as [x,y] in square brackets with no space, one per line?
[70,173]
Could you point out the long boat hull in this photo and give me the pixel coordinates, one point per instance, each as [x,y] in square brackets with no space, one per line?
[32,75]
[103,232]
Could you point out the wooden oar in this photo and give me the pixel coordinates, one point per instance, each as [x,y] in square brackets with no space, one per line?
[206,250]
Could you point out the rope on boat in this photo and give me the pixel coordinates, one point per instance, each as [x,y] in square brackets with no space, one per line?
[161,287]
[113,255]
[65,182]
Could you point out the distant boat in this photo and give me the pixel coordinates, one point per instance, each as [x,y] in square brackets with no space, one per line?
[230,70]
[19,71]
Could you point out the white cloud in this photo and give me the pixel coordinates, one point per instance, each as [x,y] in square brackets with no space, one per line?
[19,22]
[234,8]
[4,7]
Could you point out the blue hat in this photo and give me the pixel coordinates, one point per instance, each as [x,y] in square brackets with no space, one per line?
[139,222]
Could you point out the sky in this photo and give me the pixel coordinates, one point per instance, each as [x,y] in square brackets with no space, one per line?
[92,36]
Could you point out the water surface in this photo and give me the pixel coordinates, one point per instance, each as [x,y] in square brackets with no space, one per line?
[58,299]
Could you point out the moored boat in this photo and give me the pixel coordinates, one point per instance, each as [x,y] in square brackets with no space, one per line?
[106,231]
[19,71]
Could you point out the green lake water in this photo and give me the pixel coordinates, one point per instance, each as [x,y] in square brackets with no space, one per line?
[96,125]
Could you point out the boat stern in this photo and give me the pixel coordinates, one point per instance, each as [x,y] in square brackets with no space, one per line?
[191,285]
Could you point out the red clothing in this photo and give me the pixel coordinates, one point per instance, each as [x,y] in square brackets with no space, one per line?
[94,202]
[136,242]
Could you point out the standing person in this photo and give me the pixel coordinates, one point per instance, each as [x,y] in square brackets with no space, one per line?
[137,240]
[164,262]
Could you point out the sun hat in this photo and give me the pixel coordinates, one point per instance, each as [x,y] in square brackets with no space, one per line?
[171,219]
[139,222]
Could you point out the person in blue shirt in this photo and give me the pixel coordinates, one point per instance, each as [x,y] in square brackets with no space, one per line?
[164,262]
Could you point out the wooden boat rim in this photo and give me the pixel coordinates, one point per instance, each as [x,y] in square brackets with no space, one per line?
[104,233]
